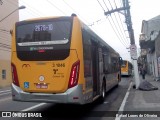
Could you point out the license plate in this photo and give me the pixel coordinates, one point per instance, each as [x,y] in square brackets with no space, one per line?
[41,86]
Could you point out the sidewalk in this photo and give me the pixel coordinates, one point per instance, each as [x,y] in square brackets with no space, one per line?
[146,103]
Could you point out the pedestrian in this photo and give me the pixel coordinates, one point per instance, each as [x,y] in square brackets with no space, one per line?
[140,70]
[143,72]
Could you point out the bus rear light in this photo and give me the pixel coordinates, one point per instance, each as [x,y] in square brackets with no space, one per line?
[41,51]
[73,80]
[14,74]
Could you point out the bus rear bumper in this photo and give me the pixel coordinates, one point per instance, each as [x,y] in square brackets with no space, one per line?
[124,73]
[73,95]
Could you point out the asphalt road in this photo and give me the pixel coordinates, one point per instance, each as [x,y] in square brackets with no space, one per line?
[94,111]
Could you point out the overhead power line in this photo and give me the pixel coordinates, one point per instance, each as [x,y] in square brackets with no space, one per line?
[32,10]
[29,9]
[121,28]
[116,23]
[74,11]
[116,33]
[101,5]
[56,7]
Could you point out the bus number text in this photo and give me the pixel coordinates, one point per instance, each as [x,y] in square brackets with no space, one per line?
[58,65]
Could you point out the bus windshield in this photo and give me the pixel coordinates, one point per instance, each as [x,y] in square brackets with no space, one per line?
[37,37]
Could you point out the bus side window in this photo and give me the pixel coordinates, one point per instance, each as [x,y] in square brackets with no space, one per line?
[106,63]
[87,53]
[113,62]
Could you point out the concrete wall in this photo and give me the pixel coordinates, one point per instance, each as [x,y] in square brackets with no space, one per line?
[157,46]
[5,65]
[6,7]
[157,49]
[149,26]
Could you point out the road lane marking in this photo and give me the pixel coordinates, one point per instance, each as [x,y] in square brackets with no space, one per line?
[33,107]
[124,102]
[5,99]
[5,91]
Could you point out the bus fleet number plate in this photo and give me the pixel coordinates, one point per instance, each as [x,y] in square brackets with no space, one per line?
[42,86]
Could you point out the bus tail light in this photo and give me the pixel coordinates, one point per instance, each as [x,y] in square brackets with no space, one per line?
[14,74]
[73,80]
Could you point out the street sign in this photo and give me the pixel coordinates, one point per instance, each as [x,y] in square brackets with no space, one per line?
[133,52]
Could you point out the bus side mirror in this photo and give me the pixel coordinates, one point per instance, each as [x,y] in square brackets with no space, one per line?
[120,60]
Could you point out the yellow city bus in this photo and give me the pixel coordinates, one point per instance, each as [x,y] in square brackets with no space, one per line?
[126,68]
[61,60]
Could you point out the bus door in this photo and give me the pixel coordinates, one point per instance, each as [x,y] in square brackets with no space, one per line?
[100,63]
[95,66]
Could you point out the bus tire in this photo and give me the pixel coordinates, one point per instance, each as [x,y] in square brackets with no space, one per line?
[103,94]
[119,79]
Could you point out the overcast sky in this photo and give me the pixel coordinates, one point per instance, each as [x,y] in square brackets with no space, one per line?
[91,12]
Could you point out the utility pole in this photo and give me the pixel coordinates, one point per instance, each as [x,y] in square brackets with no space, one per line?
[133,48]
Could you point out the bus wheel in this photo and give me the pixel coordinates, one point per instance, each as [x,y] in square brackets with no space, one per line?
[102,97]
[119,79]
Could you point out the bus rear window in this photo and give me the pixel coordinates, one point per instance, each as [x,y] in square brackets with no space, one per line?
[124,64]
[39,40]
[43,33]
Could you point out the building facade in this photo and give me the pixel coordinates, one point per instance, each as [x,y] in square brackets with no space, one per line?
[150,43]
[8,16]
